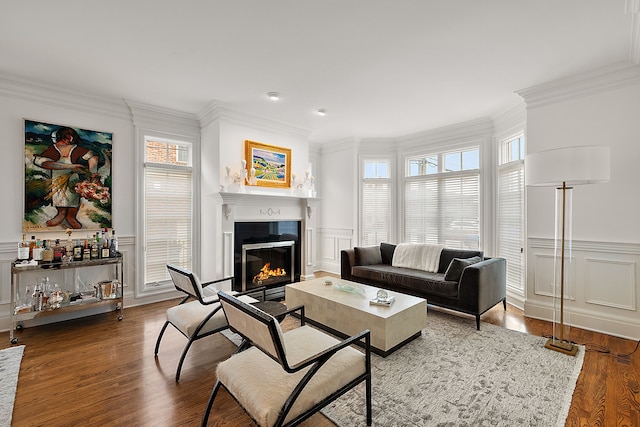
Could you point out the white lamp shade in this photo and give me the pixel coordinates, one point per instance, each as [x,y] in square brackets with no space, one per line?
[588,164]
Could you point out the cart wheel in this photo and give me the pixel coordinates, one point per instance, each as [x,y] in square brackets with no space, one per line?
[19,327]
[14,340]
[120,317]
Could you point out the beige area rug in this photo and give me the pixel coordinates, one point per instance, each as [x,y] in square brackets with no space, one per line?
[454,375]
[10,359]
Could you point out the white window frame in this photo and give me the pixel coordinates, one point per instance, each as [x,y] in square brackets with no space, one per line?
[439,176]
[162,286]
[389,160]
[513,164]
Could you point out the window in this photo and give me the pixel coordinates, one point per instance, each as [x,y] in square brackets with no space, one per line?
[376,202]
[442,199]
[510,215]
[168,207]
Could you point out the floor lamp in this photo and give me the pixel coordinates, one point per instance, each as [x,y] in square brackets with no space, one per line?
[563,168]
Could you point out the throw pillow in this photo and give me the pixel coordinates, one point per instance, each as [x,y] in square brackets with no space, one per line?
[454,271]
[368,255]
[386,250]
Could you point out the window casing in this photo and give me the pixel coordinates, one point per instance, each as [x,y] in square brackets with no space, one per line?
[442,198]
[376,202]
[168,208]
[510,209]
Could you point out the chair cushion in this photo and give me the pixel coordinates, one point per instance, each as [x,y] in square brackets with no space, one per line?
[186,317]
[262,386]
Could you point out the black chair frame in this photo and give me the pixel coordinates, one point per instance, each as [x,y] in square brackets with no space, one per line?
[315,363]
[196,295]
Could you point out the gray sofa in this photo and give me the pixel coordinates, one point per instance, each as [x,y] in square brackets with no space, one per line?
[458,284]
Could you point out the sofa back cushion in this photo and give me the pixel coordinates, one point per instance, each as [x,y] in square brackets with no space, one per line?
[386,250]
[368,255]
[449,254]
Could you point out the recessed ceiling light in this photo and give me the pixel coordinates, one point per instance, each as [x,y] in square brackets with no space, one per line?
[321,112]
[274,96]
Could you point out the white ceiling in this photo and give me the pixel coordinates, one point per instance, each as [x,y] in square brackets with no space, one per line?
[381,68]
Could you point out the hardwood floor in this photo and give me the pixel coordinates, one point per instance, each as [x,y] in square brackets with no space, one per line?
[98,371]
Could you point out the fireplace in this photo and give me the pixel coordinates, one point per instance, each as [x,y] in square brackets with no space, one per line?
[267,264]
[266,253]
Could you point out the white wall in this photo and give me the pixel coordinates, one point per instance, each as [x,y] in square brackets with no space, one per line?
[23,99]
[595,109]
[338,190]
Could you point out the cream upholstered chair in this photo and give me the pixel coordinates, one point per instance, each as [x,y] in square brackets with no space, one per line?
[198,318]
[283,378]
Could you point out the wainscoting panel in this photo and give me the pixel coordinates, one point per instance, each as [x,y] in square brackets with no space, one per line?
[544,276]
[332,241]
[610,283]
[604,294]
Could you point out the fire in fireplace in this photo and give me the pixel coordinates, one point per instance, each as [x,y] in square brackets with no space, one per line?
[267,264]
[258,243]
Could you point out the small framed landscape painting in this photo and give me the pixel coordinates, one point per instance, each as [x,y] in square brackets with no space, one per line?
[270,165]
[67,178]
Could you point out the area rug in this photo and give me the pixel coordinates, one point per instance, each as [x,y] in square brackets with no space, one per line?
[454,375]
[10,359]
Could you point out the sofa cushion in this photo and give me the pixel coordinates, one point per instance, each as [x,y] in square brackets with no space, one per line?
[405,280]
[368,255]
[448,254]
[386,250]
[454,271]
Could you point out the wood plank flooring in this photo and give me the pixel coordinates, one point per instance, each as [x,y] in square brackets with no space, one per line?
[97,371]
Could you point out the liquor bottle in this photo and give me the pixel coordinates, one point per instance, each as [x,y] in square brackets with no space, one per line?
[95,253]
[37,251]
[104,245]
[58,251]
[23,249]
[86,252]
[32,245]
[113,245]
[47,252]
[77,251]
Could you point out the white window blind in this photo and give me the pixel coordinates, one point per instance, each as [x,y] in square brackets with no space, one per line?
[168,203]
[511,221]
[376,202]
[444,209]
[376,211]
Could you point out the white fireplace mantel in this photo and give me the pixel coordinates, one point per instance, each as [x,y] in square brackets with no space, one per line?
[269,206]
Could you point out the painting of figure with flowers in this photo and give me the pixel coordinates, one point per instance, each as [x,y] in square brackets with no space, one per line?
[67,178]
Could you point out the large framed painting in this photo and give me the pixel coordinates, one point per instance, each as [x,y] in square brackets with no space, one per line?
[67,178]
[271,164]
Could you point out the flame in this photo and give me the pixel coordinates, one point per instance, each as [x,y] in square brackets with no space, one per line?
[266,272]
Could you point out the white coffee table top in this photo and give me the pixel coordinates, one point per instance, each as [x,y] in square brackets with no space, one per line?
[356,301]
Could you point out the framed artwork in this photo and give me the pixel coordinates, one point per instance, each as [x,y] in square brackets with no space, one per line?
[270,165]
[67,178]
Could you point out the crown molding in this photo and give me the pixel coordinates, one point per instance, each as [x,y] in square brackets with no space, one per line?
[470,130]
[216,111]
[42,93]
[342,145]
[612,77]
[158,118]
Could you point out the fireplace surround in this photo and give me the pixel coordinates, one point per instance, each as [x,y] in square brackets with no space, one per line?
[266,254]
[258,216]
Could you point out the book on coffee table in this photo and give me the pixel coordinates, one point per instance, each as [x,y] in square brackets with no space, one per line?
[383,302]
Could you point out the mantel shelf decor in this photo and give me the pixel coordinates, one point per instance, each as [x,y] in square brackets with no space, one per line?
[269,166]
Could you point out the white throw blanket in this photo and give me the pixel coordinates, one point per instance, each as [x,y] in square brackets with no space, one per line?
[419,256]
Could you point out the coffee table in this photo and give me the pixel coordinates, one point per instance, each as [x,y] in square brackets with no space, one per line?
[344,313]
